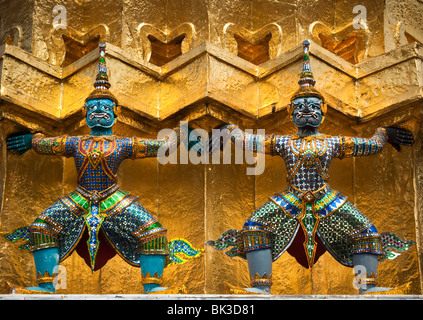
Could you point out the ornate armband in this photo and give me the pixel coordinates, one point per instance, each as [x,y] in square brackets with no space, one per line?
[53,146]
[265,280]
[269,144]
[139,148]
[347,147]
[365,280]
[148,279]
[45,278]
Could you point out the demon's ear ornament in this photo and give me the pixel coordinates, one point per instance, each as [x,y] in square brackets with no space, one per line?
[290,109]
[324,107]
[117,110]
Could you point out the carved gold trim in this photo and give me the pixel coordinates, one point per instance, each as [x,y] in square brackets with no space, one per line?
[400,290]
[343,37]
[265,280]
[46,277]
[364,279]
[150,279]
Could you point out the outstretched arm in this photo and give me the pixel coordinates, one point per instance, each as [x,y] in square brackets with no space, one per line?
[357,147]
[246,141]
[49,145]
[38,142]
[145,148]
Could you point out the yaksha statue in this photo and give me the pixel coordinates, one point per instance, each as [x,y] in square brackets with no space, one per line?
[98,219]
[309,217]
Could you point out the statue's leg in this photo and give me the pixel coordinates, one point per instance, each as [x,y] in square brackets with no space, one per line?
[45,232]
[138,235]
[152,266]
[365,267]
[260,269]
[258,241]
[258,249]
[46,264]
[351,237]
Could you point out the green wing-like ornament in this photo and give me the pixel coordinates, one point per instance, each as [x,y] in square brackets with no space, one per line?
[180,251]
[393,245]
[19,234]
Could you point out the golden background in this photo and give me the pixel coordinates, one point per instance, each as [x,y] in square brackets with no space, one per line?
[210,62]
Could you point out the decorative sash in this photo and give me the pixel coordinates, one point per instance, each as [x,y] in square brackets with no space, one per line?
[308,210]
[95,207]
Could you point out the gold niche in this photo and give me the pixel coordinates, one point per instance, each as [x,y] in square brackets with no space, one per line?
[163,52]
[256,52]
[75,50]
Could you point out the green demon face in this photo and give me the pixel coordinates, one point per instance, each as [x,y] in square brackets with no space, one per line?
[100,113]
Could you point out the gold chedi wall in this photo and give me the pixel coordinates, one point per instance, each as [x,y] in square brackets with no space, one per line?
[210,62]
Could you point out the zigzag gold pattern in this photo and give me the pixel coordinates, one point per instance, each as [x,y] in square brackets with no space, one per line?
[63,104]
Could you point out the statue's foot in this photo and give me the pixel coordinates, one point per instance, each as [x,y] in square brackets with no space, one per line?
[166,290]
[156,289]
[403,289]
[230,289]
[257,290]
[15,289]
[376,290]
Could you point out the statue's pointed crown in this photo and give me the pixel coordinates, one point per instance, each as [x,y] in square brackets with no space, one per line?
[102,84]
[306,81]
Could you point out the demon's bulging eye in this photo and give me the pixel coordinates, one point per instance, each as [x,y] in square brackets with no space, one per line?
[108,106]
[91,107]
[314,106]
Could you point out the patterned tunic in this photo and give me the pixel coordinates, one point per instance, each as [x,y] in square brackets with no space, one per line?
[98,206]
[327,220]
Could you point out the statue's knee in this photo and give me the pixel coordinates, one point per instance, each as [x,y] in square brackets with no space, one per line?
[43,235]
[255,237]
[367,241]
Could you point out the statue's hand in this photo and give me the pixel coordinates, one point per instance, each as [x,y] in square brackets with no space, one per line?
[399,136]
[20,143]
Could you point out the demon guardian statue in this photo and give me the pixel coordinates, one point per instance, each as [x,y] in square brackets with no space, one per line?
[98,219]
[309,217]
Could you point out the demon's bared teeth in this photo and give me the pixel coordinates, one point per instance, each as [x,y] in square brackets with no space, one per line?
[99,115]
